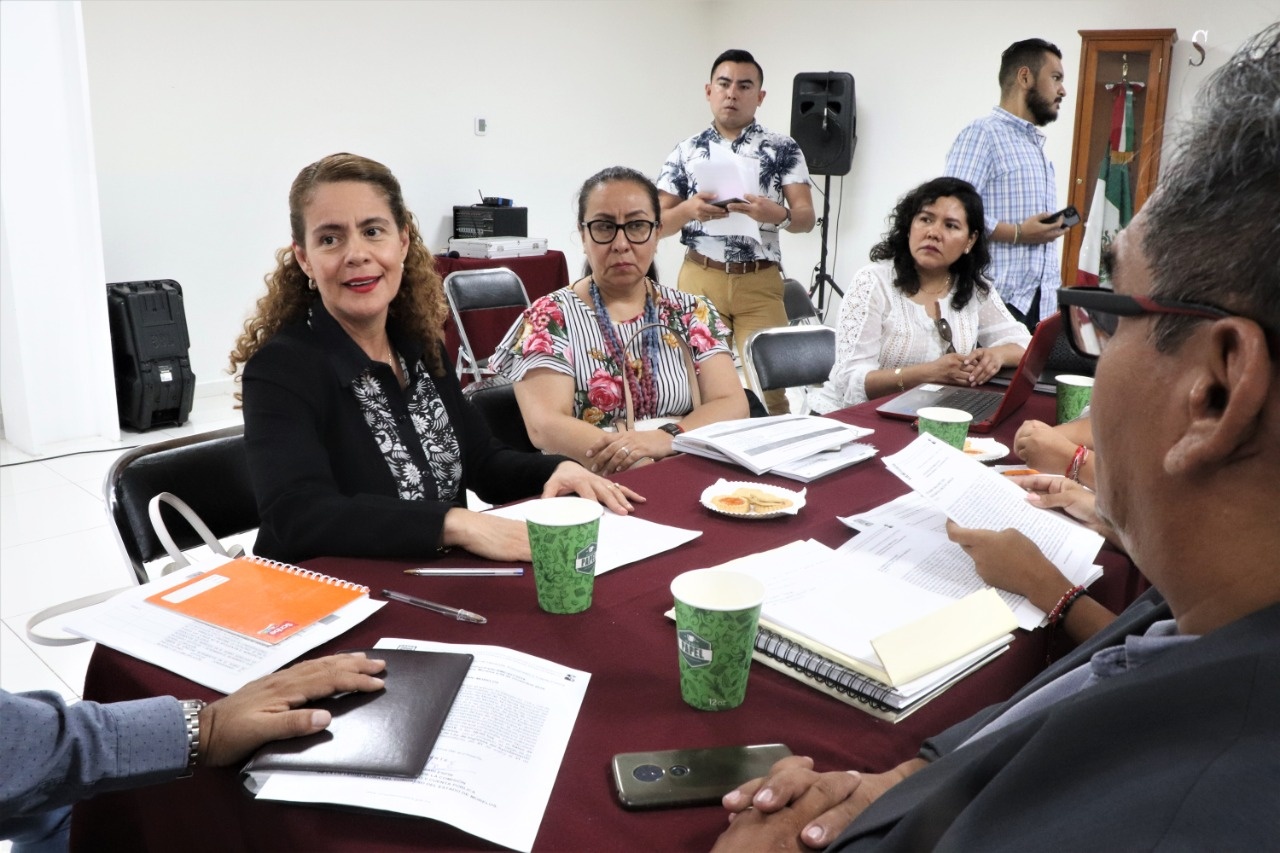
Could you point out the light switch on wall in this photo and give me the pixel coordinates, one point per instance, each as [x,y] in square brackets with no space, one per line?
[482,126]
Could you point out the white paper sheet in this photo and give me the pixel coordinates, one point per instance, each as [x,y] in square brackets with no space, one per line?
[728,175]
[761,444]
[623,538]
[975,496]
[493,768]
[217,658]
[910,510]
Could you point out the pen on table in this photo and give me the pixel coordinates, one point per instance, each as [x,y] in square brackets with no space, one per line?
[456,613]
[472,573]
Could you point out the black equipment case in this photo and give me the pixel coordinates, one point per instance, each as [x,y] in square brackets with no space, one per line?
[154,382]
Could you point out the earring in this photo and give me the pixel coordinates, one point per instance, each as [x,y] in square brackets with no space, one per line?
[311,284]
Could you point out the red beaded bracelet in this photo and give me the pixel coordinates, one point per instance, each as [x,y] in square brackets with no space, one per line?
[1059,611]
[1077,460]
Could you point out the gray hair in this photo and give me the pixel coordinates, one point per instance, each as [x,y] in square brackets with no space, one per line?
[1213,226]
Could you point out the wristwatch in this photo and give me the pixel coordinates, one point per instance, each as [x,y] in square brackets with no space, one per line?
[672,429]
[784,224]
[191,709]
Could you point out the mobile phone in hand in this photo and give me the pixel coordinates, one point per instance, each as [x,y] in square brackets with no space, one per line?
[725,202]
[689,777]
[1070,216]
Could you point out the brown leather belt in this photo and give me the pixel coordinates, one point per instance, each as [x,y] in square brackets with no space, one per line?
[730,267]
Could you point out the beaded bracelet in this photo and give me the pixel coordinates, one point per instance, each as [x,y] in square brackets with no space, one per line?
[1077,461]
[1059,611]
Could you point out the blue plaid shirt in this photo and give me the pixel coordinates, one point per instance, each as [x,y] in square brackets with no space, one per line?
[1003,157]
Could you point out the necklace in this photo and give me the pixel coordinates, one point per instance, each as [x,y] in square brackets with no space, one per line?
[939,291]
[638,376]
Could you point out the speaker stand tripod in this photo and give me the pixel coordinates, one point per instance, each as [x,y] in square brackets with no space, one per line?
[822,281]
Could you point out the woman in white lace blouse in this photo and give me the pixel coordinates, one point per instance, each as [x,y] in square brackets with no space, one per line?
[922,310]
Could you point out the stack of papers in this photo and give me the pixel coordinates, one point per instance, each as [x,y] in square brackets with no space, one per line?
[795,443]
[850,618]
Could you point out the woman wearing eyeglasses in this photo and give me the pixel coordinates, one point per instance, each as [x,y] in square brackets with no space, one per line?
[922,311]
[616,347]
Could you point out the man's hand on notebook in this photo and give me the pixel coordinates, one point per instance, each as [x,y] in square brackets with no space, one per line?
[267,709]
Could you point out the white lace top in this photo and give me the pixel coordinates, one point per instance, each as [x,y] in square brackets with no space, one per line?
[880,327]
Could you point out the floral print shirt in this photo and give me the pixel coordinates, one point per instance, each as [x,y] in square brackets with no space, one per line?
[781,163]
[560,332]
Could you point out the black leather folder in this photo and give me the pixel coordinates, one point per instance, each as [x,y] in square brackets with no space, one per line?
[387,733]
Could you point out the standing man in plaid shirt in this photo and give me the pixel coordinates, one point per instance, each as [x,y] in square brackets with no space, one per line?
[741,276]
[1002,155]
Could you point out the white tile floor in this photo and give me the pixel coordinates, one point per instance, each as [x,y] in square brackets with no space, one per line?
[55,543]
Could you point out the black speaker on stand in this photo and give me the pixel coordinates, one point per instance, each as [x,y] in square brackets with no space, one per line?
[824,124]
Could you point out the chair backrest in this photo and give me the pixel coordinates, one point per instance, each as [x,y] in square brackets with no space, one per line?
[789,356]
[797,302]
[209,471]
[495,397]
[481,290]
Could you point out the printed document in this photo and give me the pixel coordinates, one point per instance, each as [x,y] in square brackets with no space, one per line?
[208,655]
[974,496]
[623,538]
[762,444]
[728,175]
[492,769]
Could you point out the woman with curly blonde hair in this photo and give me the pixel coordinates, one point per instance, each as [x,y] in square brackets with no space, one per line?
[360,442]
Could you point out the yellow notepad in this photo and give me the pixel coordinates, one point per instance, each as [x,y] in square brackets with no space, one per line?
[261,599]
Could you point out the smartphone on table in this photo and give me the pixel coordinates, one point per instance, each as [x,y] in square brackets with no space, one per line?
[1070,216]
[689,777]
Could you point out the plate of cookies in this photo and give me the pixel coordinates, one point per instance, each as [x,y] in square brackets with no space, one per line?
[751,500]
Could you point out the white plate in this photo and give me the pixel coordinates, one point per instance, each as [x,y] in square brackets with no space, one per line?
[985,449]
[727,487]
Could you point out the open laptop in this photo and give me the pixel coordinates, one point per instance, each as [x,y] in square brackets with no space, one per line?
[989,408]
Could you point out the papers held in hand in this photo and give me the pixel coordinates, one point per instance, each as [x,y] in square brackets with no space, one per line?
[387,733]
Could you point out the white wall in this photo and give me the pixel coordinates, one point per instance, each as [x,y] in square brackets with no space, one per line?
[923,69]
[204,112]
[56,378]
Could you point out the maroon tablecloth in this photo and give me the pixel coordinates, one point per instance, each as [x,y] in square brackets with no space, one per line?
[633,701]
[541,274]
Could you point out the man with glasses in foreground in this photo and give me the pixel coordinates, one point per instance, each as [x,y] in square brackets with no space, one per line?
[741,275]
[1163,730]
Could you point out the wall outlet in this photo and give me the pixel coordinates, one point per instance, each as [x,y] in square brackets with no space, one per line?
[482,126]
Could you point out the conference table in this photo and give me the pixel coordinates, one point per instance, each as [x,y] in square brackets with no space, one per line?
[633,699]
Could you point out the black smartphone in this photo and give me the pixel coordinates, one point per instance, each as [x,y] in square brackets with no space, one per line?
[689,777]
[725,202]
[1070,216]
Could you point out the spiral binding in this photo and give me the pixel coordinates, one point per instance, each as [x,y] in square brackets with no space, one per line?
[860,687]
[288,568]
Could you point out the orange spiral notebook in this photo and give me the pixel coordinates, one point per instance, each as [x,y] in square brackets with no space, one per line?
[261,599]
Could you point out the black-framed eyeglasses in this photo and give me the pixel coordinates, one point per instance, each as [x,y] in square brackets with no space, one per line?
[604,231]
[944,331]
[1092,314]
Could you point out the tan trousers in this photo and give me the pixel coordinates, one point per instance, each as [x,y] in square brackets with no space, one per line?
[747,303]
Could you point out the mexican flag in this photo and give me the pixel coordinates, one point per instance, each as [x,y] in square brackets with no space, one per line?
[1112,205]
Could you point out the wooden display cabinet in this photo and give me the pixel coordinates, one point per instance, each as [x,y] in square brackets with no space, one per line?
[1108,56]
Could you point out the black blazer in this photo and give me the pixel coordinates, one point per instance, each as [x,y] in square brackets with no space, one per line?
[322,485]
[1181,754]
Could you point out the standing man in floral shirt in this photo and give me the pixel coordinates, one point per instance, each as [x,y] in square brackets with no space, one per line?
[740,275]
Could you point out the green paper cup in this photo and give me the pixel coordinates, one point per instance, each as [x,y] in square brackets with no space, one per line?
[1073,395]
[950,425]
[717,612]
[563,534]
